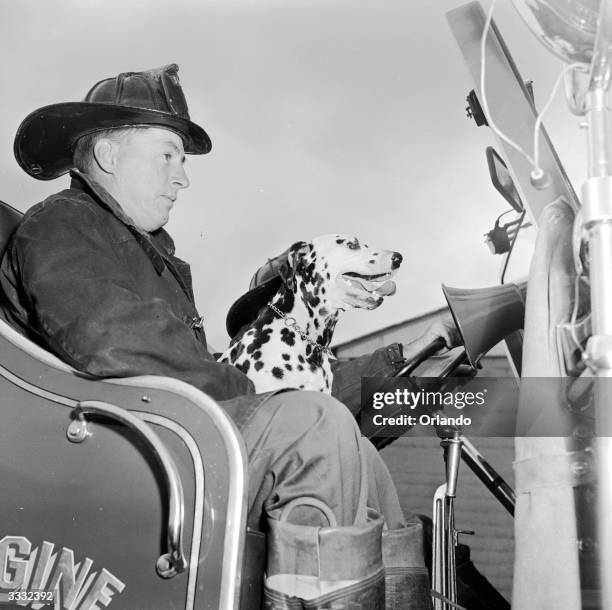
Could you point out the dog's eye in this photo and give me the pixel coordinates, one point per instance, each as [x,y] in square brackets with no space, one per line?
[353,245]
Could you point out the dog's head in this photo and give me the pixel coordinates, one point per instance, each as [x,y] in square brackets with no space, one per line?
[338,272]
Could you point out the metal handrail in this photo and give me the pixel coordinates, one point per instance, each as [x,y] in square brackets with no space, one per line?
[173,561]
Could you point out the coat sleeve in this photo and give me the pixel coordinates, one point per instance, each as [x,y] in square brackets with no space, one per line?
[346,386]
[81,302]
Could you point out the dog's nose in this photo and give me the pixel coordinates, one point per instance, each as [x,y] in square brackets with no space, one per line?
[396,260]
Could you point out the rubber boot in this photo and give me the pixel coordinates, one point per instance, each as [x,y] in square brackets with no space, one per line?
[406,577]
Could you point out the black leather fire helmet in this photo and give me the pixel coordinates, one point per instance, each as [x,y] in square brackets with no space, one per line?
[45,140]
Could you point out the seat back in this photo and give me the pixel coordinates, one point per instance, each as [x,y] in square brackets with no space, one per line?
[9,221]
[90,503]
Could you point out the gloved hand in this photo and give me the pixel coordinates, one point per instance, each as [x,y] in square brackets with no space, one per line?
[443,327]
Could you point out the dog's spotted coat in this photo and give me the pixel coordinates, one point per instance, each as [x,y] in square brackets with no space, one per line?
[315,289]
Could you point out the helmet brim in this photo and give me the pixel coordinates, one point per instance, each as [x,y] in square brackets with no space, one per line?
[45,140]
[245,309]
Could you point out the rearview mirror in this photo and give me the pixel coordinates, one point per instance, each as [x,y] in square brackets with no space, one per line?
[502,180]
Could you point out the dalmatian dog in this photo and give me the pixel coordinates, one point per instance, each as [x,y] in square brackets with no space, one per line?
[287,342]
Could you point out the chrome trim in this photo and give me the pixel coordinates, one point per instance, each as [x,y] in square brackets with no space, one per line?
[198,509]
[443,566]
[32,389]
[173,561]
[237,494]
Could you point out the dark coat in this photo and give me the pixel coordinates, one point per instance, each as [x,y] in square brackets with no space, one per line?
[109,299]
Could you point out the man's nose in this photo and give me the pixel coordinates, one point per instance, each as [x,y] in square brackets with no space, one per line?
[180,178]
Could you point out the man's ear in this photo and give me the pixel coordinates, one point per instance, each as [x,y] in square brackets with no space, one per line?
[105,155]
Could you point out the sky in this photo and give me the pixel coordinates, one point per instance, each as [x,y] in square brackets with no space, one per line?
[326,116]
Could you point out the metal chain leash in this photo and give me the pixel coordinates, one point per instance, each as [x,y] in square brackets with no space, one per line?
[291,323]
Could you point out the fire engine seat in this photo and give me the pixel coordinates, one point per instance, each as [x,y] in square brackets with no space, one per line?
[129,493]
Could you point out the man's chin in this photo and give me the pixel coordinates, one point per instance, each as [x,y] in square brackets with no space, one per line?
[159,221]
[154,226]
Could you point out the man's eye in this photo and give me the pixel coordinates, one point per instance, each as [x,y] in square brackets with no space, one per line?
[167,156]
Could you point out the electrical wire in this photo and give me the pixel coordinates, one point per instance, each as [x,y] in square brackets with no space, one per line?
[538,123]
[574,316]
[502,215]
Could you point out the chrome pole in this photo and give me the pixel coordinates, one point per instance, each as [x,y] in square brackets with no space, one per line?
[443,564]
[597,221]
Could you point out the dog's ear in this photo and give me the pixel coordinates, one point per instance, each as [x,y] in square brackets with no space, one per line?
[290,267]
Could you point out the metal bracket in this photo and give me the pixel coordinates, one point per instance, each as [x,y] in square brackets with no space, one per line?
[511,106]
[597,200]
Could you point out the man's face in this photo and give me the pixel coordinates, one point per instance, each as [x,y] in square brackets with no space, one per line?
[148,175]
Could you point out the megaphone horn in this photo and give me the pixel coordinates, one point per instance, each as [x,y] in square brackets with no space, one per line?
[485,316]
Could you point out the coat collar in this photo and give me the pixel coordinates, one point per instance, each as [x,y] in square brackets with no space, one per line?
[158,245]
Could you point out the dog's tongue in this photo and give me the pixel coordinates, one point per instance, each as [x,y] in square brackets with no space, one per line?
[383,289]
[386,289]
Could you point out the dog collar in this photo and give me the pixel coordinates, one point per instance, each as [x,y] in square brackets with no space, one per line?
[291,323]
